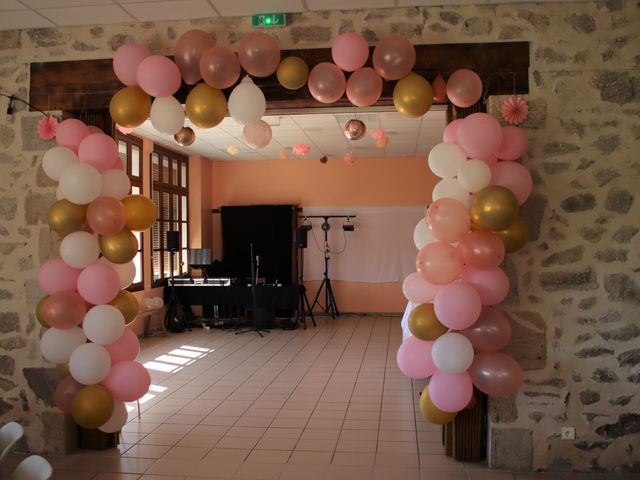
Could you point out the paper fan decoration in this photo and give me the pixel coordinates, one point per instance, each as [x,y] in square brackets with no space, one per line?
[300,148]
[47,127]
[514,110]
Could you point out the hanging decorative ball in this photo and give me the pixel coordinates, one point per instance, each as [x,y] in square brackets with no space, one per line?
[324,159]
[355,129]
[233,150]
[349,158]
[185,136]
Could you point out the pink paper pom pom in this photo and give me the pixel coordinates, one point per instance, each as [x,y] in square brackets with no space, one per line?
[124,130]
[284,155]
[514,110]
[377,133]
[349,158]
[300,148]
[47,127]
[382,142]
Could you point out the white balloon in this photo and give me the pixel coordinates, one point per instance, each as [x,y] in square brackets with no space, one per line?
[422,235]
[57,345]
[115,183]
[158,302]
[167,115]
[445,159]
[118,418]
[451,188]
[148,303]
[79,249]
[257,134]
[247,103]
[80,183]
[103,324]
[126,271]
[59,194]
[89,363]
[474,175]
[56,160]
[452,353]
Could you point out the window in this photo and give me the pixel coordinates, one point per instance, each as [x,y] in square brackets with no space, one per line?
[170,193]
[130,151]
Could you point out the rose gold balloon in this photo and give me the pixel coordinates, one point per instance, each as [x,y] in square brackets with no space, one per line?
[326,82]
[394,57]
[439,263]
[257,134]
[220,67]
[355,129]
[448,220]
[259,54]
[106,215]
[364,87]
[495,373]
[64,393]
[65,309]
[482,249]
[185,137]
[439,88]
[491,332]
[464,88]
[189,49]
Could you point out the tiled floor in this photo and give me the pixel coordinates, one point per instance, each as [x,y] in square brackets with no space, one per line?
[325,403]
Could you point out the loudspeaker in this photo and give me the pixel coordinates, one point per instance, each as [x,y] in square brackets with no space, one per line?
[301,237]
[173,241]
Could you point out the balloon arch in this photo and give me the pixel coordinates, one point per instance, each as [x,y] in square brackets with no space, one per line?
[453,329]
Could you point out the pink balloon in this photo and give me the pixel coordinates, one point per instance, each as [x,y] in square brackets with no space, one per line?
[491,332]
[457,305]
[98,284]
[158,76]
[189,49]
[479,135]
[64,393]
[98,150]
[364,87]
[326,82]
[492,160]
[94,129]
[55,276]
[515,177]
[439,263]
[448,220]
[220,67]
[450,133]
[394,57]
[126,61]
[127,381]
[70,133]
[126,348]
[63,310]
[350,51]
[257,134]
[414,358]
[514,143]
[417,290]
[259,54]
[106,215]
[119,164]
[482,249]
[492,283]
[495,373]
[450,392]
[464,88]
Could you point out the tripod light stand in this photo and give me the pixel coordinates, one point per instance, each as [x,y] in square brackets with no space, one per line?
[330,305]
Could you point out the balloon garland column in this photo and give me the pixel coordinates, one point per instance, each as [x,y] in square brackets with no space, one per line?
[454,330]
[86,309]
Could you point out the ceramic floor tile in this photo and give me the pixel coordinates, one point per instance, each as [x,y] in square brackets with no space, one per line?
[116,476]
[395,473]
[310,458]
[316,445]
[147,451]
[187,453]
[351,458]
[304,472]
[349,472]
[269,456]
[259,471]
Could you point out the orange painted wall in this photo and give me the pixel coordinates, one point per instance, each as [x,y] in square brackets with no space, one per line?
[307,183]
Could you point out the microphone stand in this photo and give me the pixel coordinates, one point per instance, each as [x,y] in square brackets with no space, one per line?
[254,281]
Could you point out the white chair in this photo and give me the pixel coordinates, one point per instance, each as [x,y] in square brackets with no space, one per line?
[33,467]
[10,433]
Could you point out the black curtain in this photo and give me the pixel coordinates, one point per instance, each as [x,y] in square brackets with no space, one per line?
[270,229]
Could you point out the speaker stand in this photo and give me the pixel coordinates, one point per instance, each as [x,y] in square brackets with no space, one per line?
[175,318]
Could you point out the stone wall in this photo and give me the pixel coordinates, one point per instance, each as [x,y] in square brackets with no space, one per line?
[575,286]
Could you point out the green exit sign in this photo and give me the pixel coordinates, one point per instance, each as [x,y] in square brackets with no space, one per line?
[269,20]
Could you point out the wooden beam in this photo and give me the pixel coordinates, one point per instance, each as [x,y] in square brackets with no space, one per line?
[88,85]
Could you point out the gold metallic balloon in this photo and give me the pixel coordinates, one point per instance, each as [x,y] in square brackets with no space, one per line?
[119,248]
[92,406]
[515,236]
[431,412]
[141,212]
[493,208]
[130,107]
[62,369]
[424,324]
[127,303]
[293,73]
[412,96]
[65,217]
[206,106]
[39,313]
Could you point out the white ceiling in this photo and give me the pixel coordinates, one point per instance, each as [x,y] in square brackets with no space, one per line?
[322,131]
[20,14]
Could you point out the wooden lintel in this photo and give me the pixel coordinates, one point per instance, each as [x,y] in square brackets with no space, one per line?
[88,85]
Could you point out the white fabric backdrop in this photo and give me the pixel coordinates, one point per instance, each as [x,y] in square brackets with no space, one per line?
[380,249]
